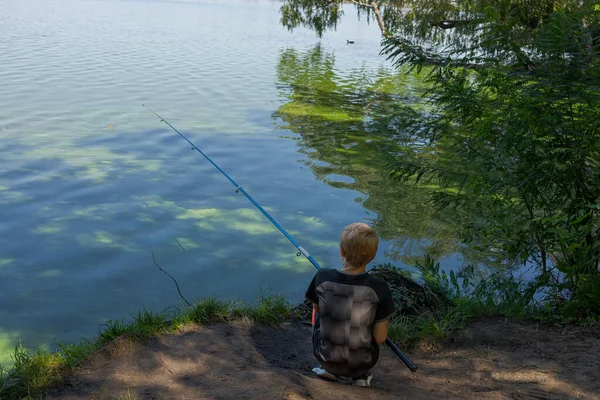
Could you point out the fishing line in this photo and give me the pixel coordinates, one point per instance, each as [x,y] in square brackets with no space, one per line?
[301,250]
[169,275]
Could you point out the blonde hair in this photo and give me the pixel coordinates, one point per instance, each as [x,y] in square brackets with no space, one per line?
[359,242]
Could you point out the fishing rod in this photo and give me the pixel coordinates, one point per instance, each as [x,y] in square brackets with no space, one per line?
[411,366]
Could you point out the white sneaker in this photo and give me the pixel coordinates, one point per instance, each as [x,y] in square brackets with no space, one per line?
[363,381]
[323,373]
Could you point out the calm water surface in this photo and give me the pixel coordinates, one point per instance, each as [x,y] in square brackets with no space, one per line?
[90,181]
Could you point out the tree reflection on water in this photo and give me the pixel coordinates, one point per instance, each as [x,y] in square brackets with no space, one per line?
[348,125]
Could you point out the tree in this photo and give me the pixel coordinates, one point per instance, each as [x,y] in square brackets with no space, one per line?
[438,32]
[516,110]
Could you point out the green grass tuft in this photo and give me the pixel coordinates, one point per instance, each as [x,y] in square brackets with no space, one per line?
[74,354]
[209,310]
[147,324]
[32,372]
[114,329]
[272,309]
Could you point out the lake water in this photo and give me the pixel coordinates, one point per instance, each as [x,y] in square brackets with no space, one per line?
[90,181]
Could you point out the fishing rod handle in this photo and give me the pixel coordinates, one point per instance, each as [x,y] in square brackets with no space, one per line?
[399,353]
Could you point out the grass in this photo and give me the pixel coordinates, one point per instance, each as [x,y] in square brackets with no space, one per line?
[407,331]
[438,325]
[471,297]
[484,352]
[35,371]
[496,295]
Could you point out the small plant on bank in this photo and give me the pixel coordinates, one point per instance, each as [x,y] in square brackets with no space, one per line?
[272,309]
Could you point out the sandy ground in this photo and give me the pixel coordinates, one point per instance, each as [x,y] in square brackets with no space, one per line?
[493,359]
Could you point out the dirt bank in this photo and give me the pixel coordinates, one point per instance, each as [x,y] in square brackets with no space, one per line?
[493,359]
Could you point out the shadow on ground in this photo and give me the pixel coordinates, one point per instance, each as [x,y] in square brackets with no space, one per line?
[493,359]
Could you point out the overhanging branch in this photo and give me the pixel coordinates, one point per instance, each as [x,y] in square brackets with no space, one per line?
[408,53]
[377,13]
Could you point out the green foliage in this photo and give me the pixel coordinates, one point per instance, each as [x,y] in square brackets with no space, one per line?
[586,302]
[438,32]
[319,15]
[433,319]
[499,294]
[477,293]
[511,136]
[440,282]
[525,122]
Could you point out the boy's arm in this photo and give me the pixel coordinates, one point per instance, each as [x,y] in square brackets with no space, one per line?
[311,292]
[380,331]
[311,295]
[384,312]
[315,311]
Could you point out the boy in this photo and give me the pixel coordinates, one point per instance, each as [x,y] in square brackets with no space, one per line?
[351,310]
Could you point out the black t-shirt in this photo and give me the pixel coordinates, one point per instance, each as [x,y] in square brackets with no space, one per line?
[349,306]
